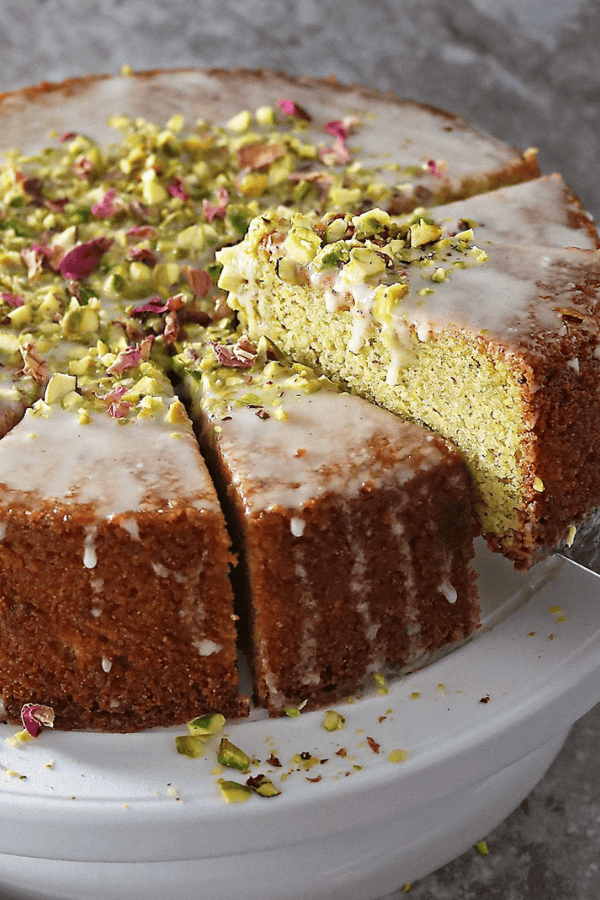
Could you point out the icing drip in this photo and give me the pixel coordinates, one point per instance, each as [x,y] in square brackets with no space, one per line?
[90,559]
[297,526]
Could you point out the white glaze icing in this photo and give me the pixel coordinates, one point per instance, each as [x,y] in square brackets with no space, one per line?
[115,468]
[266,469]
[536,212]
[206,647]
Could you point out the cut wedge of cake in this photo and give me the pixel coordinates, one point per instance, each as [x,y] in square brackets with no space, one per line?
[493,346]
[115,601]
[354,528]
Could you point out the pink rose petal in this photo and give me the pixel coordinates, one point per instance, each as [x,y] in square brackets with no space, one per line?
[294,109]
[83,259]
[13,300]
[241,355]
[107,206]
[198,280]
[178,189]
[35,717]
[218,211]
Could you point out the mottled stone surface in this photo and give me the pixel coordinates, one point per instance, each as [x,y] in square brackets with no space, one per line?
[526,70]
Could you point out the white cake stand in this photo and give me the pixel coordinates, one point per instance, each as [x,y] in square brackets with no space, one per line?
[101,817]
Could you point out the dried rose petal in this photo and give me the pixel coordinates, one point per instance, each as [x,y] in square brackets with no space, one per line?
[198,280]
[33,364]
[337,154]
[152,307]
[35,716]
[67,136]
[144,254]
[33,189]
[83,259]
[338,129]
[127,359]
[82,167]
[436,167]
[141,231]
[178,189]
[117,407]
[107,206]
[258,155]
[219,211]
[33,257]
[172,329]
[56,205]
[294,109]
[12,299]
[241,355]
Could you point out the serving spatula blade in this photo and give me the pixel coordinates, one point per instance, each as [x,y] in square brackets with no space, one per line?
[584,549]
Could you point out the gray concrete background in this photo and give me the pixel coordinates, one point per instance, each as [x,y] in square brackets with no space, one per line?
[527,71]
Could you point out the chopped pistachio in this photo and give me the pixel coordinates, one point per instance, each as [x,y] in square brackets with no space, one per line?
[398,756]
[191,745]
[365,263]
[266,115]
[211,723]
[333,721]
[423,232]
[262,785]
[234,792]
[231,756]
[58,387]
[240,122]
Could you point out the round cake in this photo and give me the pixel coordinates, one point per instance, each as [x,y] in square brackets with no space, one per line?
[183,480]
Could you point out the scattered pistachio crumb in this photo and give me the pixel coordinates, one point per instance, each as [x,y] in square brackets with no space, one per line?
[398,756]
[232,757]
[381,682]
[482,848]
[333,721]
[234,792]
[294,711]
[21,737]
[538,484]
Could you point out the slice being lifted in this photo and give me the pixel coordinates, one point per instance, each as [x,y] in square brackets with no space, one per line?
[354,528]
[496,349]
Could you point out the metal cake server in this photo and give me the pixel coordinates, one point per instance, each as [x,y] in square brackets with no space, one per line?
[585,549]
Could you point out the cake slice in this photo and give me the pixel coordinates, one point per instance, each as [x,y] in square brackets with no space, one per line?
[354,528]
[496,349]
[541,212]
[115,602]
